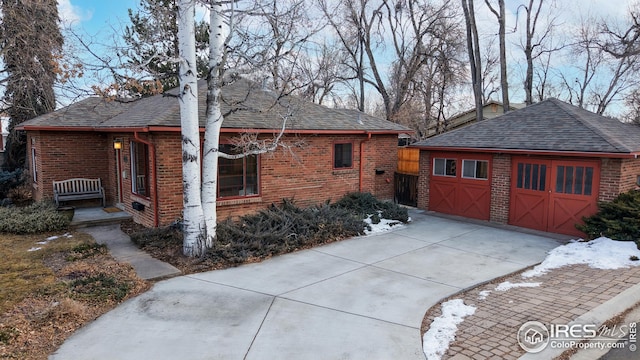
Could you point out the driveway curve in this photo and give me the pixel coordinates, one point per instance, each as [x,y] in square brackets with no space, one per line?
[361,298]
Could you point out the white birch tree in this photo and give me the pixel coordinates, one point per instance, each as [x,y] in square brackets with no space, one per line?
[194,221]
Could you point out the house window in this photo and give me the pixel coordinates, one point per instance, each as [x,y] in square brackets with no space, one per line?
[475,169]
[577,180]
[342,155]
[237,177]
[140,169]
[34,165]
[444,167]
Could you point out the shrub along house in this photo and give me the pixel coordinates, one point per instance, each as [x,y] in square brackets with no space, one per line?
[135,148]
[542,167]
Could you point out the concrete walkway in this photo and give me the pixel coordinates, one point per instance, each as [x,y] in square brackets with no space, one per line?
[362,298]
[123,250]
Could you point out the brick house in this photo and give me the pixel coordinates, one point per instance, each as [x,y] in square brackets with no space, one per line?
[542,167]
[135,148]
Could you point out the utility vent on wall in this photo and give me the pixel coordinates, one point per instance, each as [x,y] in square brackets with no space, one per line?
[137,206]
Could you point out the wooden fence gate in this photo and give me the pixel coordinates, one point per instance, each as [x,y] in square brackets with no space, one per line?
[406,178]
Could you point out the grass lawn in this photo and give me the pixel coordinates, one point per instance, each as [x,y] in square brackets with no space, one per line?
[45,295]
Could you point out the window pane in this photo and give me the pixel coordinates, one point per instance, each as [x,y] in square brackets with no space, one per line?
[438,166]
[139,167]
[543,177]
[468,168]
[451,167]
[527,176]
[535,177]
[588,180]
[568,180]
[238,177]
[482,170]
[342,155]
[560,180]
[251,170]
[577,189]
[520,175]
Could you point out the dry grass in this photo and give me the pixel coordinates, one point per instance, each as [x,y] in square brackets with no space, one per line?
[46,295]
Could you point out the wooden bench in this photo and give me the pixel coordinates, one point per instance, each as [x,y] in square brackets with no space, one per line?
[78,189]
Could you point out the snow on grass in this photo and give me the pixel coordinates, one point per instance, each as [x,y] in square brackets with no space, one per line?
[442,331]
[49,239]
[383,226]
[504,286]
[601,253]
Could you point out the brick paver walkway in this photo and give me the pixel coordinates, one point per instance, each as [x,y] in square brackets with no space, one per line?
[563,295]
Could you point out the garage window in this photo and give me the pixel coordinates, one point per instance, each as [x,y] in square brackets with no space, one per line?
[577,180]
[531,176]
[475,169]
[444,167]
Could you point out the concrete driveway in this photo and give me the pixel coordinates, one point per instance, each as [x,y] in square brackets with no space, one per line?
[362,298]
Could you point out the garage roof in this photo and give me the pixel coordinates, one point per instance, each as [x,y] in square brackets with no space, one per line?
[548,126]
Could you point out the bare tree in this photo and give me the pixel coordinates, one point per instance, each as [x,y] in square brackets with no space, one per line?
[537,40]
[504,82]
[475,61]
[273,29]
[604,78]
[490,78]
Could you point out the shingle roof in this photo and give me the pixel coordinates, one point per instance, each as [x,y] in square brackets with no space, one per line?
[246,105]
[550,125]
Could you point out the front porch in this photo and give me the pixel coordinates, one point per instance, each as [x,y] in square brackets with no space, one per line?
[92,216]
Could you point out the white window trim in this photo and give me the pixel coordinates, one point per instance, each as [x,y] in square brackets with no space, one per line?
[475,169]
[445,167]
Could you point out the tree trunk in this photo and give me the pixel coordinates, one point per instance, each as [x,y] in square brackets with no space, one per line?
[504,83]
[194,230]
[473,48]
[217,37]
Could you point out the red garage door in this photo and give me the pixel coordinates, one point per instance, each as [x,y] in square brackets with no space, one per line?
[553,195]
[460,185]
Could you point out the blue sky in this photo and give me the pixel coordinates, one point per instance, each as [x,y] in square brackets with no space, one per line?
[96,16]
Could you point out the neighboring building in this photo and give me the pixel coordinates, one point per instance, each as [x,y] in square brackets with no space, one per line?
[490,110]
[335,152]
[542,167]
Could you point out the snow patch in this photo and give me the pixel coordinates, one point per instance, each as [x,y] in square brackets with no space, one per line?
[383,226]
[442,331]
[482,295]
[601,253]
[504,286]
[49,239]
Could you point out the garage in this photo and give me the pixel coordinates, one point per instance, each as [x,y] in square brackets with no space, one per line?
[460,185]
[542,167]
[553,195]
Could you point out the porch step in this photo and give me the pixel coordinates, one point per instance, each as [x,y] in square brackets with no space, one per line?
[95,216]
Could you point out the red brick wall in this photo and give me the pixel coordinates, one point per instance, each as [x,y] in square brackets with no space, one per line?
[500,188]
[65,155]
[305,174]
[382,156]
[630,170]
[617,176]
[609,179]
[423,180]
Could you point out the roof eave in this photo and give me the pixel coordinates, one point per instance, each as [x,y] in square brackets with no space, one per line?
[614,155]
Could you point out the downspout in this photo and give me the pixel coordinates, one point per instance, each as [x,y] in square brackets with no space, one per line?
[152,154]
[360,185]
